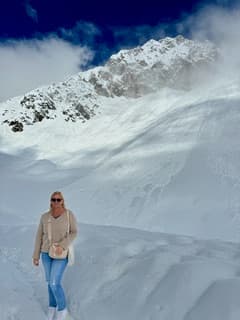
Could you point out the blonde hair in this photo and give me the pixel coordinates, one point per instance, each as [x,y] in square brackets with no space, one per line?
[59,193]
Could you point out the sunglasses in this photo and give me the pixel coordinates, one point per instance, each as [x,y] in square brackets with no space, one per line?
[56,199]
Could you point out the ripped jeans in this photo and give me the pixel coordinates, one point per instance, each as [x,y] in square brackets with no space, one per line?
[54,269]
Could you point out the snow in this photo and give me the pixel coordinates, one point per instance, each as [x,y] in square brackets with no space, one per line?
[125,273]
[133,169]
[171,168]
[166,51]
[154,184]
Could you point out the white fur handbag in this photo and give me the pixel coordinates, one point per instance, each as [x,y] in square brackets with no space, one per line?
[71,257]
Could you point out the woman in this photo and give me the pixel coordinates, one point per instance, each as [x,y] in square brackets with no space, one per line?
[54,224]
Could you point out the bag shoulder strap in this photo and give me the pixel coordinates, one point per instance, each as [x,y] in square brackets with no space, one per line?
[49,229]
[68,221]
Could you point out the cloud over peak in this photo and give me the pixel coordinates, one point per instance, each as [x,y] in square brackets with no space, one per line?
[27,64]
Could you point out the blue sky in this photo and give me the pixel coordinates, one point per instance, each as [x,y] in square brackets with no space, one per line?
[47,40]
[102,25]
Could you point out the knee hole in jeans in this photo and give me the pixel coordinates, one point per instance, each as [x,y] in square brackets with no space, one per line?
[53,284]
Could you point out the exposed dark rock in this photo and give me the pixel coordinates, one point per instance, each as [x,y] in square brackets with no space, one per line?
[82,111]
[16,126]
[38,116]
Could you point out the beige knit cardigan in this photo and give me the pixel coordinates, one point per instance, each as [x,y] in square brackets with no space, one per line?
[59,232]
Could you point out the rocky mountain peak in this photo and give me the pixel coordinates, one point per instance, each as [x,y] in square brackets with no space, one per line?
[167,51]
[169,62]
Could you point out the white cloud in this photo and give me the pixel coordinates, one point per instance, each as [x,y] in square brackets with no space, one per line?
[28,64]
[221,26]
[215,23]
[31,12]
[219,23]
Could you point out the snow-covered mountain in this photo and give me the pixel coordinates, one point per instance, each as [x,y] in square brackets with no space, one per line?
[170,62]
[158,162]
[151,151]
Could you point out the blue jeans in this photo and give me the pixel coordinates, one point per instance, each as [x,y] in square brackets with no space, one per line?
[54,269]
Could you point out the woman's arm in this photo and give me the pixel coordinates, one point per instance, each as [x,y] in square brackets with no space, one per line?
[38,241]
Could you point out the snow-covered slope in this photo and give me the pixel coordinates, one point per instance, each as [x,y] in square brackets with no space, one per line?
[166,162]
[125,274]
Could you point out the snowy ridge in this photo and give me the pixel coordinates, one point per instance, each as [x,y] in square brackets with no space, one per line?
[125,274]
[171,62]
[72,99]
[166,51]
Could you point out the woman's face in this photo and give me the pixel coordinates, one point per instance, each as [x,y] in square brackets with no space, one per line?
[56,201]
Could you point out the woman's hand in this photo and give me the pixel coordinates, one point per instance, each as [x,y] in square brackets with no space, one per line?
[36,262]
